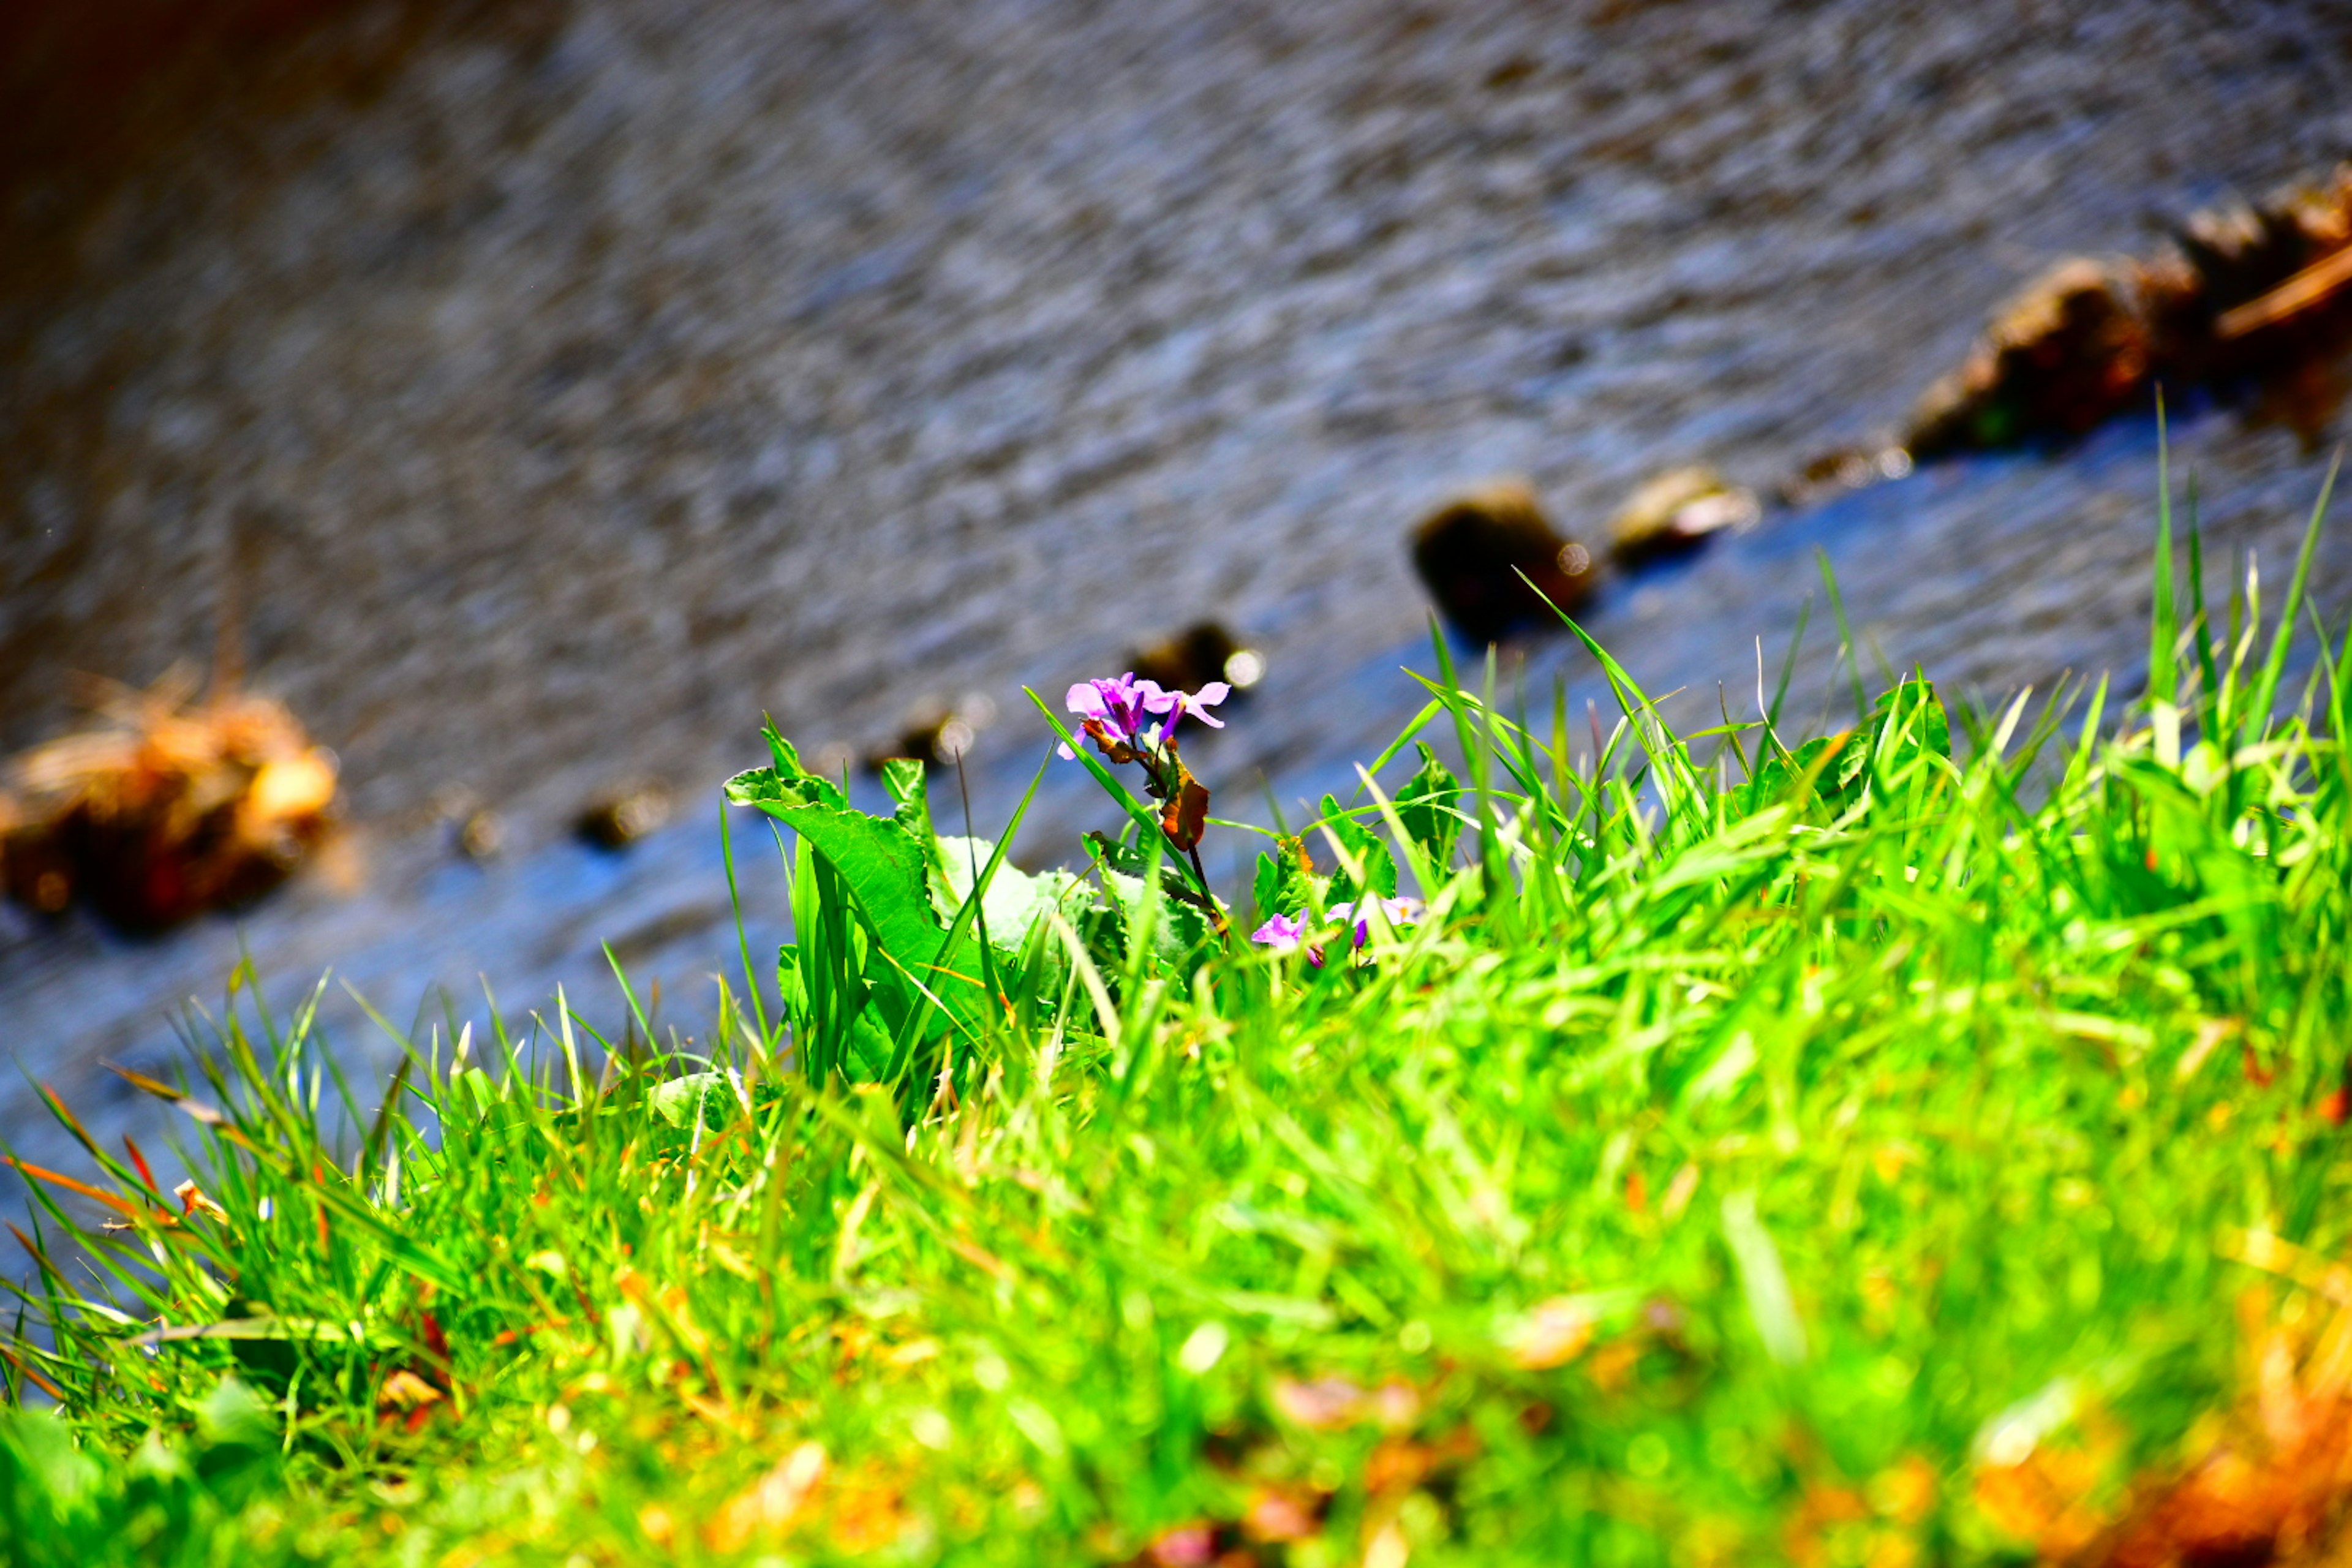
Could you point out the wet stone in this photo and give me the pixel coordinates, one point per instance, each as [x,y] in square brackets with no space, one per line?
[1494,564]
[1203,652]
[937,734]
[481,835]
[2067,352]
[2244,291]
[619,819]
[1677,512]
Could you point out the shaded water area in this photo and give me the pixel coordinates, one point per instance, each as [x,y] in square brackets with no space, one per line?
[589,377]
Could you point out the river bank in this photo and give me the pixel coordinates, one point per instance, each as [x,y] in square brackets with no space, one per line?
[1840,1148]
[604,377]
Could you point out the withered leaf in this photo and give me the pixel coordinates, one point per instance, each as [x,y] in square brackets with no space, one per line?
[1185,817]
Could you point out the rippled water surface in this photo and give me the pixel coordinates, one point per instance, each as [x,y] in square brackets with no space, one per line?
[607,373]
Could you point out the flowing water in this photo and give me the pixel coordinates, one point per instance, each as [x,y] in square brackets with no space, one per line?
[591,376]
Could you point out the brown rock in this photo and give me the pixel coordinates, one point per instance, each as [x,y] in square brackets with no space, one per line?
[619,819]
[1202,653]
[1677,510]
[2245,289]
[2067,352]
[935,734]
[1492,560]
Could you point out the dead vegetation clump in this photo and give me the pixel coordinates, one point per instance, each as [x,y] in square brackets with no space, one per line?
[165,807]
[2245,291]
[2267,1480]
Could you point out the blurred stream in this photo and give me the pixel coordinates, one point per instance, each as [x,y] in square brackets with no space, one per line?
[607,372]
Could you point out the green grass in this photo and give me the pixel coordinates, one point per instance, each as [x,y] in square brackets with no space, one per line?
[1754,1148]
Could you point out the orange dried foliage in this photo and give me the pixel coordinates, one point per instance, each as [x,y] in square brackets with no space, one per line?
[1611,1366]
[771,1505]
[1553,1334]
[1876,1524]
[866,1512]
[2274,1487]
[2050,1499]
[1401,1464]
[165,808]
[861,1510]
[1277,1514]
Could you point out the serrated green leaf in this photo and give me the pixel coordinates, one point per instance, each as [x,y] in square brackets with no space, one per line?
[680,1099]
[1368,853]
[1015,901]
[1286,883]
[1425,806]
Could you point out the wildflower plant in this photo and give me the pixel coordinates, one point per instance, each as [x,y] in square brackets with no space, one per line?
[1131,720]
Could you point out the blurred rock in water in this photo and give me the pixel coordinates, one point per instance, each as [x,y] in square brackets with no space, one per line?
[619,819]
[936,734]
[2066,351]
[164,809]
[1202,653]
[1677,510]
[1492,560]
[481,835]
[2242,290]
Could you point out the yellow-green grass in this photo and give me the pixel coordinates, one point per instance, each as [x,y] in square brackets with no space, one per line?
[1750,1149]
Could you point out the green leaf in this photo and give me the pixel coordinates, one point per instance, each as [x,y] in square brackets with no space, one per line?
[1781,775]
[909,784]
[790,985]
[232,1416]
[40,1448]
[1425,806]
[680,1099]
[1907,726]
[870,1046]
[1906,723]
[1286,883]
[1180,930]
[887,974]
[788,769]
[1368,852]
[1015,902]
[880,858]
[1181,934]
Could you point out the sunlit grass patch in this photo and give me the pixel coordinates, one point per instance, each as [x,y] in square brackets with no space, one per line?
[1886,1147]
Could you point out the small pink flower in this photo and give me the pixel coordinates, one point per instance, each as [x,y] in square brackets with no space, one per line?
[1398,913]
[1281,933]
[1176,704]
[1118,703]
[1129,712]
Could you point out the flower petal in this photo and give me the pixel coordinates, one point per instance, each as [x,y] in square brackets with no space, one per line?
[1280,931]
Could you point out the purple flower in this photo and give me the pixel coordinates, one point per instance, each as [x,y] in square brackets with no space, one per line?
[1119,704]
[1397,912]
[1176,704]
[1123,707]
[1281,931]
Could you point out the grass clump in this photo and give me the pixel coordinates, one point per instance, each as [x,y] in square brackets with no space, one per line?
[1866,1150]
